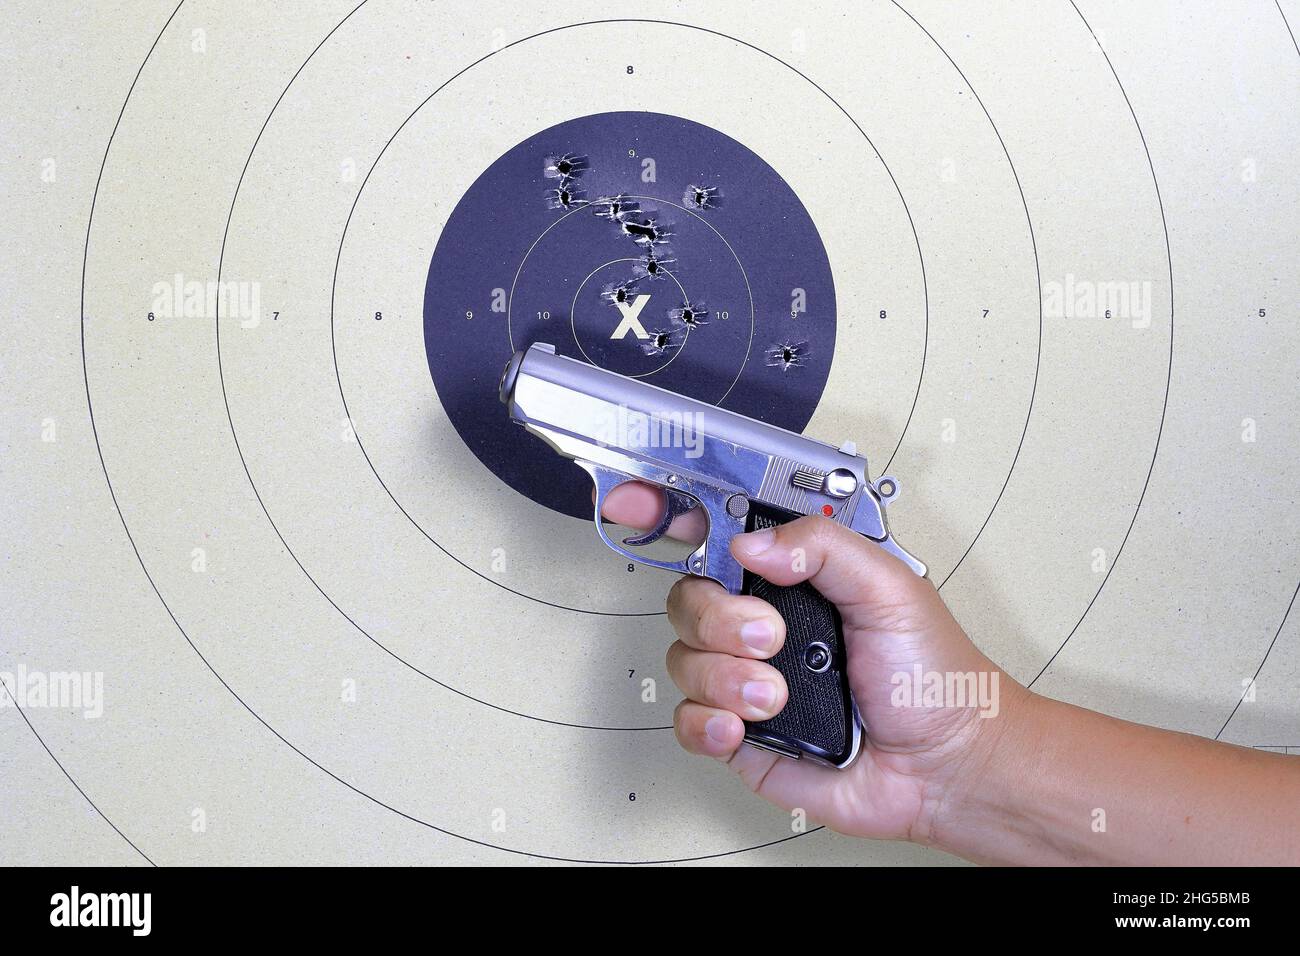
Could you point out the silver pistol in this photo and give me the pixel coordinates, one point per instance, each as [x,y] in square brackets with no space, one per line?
[745,475]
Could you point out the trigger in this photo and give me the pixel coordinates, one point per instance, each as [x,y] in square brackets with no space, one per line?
[675,503]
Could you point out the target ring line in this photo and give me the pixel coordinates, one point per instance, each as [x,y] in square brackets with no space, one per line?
[228,223]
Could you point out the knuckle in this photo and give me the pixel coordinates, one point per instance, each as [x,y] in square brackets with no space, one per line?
[823,531]
[709,624]
[677,598]
[680,715]
[805,528]
[811,533]
[721,681]
[681,729]
[687,600]
[673,660]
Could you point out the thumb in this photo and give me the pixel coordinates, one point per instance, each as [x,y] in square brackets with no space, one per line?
[893,620]
[863,580]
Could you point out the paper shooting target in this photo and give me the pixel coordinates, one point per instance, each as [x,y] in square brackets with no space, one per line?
[1036,261]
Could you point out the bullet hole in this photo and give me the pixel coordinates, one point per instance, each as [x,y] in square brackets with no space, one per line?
[663,341]
[566,166]
[614,208]
[646,232]
[567,195]
[690,315]
[653,266]
[701,197]
[788,355]
[618,293]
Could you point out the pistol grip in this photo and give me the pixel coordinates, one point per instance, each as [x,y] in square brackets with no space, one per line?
[819,719]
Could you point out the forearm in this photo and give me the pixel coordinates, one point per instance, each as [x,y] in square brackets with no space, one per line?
[1058,784]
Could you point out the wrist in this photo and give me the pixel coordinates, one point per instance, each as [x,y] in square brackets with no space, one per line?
[971,812]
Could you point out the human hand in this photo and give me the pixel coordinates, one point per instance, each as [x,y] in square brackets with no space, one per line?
[915,760]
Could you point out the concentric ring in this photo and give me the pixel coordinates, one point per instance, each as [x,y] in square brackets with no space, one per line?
[139,557]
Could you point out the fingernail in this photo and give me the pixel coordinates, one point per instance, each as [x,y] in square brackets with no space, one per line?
[759,693]
[716,728]
[760,635]
[755,542]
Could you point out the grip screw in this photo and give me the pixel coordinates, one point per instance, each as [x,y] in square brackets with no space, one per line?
[817,657]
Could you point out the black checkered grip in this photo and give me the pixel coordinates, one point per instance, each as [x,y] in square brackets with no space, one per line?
[818,718]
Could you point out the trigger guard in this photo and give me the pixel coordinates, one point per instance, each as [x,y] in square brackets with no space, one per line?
[607,480]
